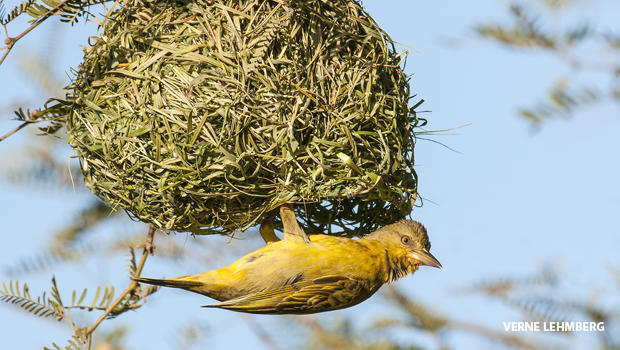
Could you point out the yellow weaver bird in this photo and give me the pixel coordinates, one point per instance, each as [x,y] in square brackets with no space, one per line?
[303,275]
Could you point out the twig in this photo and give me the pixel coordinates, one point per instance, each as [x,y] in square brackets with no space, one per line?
[89,340]
[148,249]
[431,320]
[492,334]
[328,337]
[21,126]
[10,42]
[18,128]
[260,332]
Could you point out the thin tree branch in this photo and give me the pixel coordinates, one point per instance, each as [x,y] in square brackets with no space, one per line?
[260,332]
[492,334]
[10,41]
[21,126]
[148,249]
[431,320]
[18,128]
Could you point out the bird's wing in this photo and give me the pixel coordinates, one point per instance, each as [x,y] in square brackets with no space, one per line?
[303,297]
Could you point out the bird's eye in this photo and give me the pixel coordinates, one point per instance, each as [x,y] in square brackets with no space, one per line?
[405,239]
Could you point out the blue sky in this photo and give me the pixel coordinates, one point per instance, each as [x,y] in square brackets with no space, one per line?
[511,201]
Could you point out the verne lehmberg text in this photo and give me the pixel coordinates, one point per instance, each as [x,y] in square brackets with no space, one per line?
[536,326]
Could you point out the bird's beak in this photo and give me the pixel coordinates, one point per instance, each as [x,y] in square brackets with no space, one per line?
[424,257]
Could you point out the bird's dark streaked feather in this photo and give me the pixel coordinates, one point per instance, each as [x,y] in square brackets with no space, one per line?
[322,294]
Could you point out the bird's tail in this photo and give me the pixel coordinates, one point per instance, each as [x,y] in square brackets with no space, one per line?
[174,283]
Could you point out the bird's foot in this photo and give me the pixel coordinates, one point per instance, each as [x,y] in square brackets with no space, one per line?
[266,228]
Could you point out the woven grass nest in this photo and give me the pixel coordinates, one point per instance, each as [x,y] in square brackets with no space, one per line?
[203,116]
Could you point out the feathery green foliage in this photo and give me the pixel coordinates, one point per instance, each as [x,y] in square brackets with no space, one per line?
[561,101]
[583,46]
[69,10]
[15,12]
[51,304]
[42,306]
[75,343]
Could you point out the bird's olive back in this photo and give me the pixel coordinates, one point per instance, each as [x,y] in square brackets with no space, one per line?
[407,232]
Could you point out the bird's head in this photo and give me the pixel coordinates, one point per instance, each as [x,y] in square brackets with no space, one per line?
[406,241]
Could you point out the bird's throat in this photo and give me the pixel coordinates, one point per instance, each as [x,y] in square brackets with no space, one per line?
[397,266]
